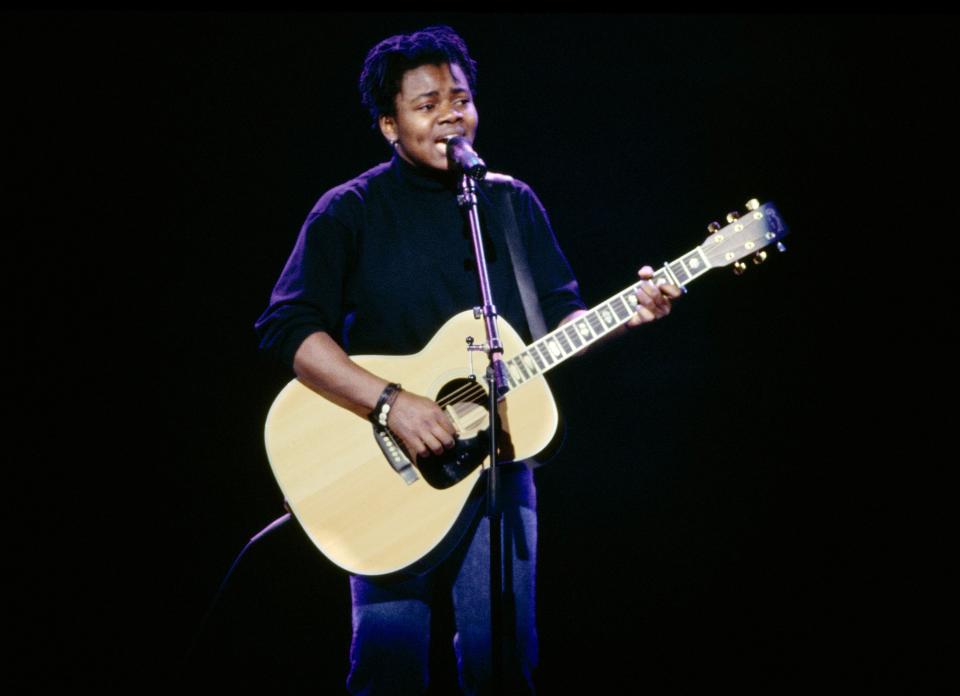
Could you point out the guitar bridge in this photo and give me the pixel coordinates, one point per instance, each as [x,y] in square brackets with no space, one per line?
[394,454]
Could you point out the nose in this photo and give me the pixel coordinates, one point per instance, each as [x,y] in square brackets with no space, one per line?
[452,115]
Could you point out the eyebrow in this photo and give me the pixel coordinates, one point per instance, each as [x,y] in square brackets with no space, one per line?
[436,93]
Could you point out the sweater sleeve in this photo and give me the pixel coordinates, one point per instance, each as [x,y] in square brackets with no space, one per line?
[557,288]
[309,295]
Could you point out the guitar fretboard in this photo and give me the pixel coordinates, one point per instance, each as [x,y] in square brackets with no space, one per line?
[552,349]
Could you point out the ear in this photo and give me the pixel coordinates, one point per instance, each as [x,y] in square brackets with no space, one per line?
[388,127]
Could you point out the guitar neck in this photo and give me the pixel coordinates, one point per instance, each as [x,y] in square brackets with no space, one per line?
[555,347]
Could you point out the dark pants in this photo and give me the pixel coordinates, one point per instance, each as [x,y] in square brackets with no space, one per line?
[391,617]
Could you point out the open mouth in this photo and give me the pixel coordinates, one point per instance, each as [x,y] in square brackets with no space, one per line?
[442,142]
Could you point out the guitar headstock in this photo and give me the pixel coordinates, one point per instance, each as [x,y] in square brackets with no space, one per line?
[744,235]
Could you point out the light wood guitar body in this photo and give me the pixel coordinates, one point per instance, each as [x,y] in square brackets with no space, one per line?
[353,505]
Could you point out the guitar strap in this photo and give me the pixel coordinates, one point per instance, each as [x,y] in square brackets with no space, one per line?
[503,199]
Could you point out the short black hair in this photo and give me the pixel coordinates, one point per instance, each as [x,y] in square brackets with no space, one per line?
[387,62]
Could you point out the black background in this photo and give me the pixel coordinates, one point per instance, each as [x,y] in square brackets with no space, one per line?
[748,495]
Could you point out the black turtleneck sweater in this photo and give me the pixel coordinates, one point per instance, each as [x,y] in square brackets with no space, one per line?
[385,259]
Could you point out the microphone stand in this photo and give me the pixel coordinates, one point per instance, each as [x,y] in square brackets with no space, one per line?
[497,386]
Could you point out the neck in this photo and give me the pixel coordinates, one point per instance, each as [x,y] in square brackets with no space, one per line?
[424,177]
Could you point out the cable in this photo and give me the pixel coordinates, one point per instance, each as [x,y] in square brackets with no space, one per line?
[279,522]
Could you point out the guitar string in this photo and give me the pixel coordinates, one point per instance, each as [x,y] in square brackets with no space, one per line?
[462,394]
[473,390]
[455,395]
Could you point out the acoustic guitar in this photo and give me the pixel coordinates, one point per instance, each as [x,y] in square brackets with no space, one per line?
[373,511]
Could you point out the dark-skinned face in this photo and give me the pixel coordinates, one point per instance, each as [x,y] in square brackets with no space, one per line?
[434,103]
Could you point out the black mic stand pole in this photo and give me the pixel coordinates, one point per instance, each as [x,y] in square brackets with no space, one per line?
[497,386]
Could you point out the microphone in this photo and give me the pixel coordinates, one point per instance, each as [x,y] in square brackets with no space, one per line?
[460,155]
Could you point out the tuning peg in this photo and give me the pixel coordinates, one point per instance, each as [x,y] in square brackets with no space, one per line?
[752,204]
[781,247]
[759,257]
[739,267]
[733,216]
[713,227]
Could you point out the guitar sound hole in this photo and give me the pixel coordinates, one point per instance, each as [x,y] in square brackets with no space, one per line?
[466,402]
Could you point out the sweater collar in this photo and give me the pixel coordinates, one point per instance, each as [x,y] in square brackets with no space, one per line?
[421,178]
